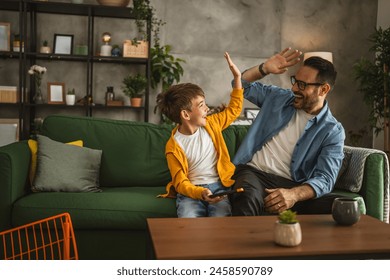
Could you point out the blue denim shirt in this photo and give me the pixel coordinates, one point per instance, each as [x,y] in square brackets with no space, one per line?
[318,154]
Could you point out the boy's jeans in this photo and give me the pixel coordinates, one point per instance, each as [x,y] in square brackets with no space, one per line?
[192,208]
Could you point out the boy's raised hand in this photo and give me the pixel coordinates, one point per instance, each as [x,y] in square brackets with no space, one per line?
[235,71]
[232,66]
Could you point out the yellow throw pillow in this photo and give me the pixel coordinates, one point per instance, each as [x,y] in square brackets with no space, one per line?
[33,144]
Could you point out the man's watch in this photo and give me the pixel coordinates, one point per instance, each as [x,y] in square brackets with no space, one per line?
[261,70]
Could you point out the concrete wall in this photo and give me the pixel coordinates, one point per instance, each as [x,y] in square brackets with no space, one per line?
[251,31]
[201,30]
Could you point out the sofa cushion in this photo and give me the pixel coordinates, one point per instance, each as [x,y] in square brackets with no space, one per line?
[345,163]
[33,145]
[351,178]
[114,208]
[66,168]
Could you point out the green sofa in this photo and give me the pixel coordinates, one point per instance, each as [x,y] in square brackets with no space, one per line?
[112,224]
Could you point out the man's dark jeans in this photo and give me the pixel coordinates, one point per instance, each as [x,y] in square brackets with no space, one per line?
[251,201]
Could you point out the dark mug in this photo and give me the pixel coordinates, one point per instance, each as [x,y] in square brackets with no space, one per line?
[345,211]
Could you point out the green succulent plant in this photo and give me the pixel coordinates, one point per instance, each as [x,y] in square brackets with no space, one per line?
[71,92]
[288,217]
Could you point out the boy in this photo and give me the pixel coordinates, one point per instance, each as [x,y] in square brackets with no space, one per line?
[196,152]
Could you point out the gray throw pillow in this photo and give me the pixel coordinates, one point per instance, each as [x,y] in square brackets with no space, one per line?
[345,164]
[340,184]
[66,168]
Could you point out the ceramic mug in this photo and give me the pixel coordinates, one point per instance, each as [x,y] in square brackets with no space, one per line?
[345,211]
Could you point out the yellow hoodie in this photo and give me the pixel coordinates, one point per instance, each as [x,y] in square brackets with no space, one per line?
[177,161]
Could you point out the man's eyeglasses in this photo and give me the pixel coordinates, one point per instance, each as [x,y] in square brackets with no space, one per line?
[302,85]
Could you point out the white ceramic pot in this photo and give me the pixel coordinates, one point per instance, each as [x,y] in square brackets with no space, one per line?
[287,234]
[70,99]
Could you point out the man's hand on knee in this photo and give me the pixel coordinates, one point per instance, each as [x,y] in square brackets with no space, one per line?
[279,200]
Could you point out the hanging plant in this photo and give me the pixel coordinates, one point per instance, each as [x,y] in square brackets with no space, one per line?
[166,69]
[142,10]
[374,79]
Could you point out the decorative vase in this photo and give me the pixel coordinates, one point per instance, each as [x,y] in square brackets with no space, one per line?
[38,98]
[287,234]
[345,211]
[70,99]
[136,101]
[110,95]
[116,51]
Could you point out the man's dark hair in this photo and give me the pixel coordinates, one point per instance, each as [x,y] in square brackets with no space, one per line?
[326,70]
[177,98]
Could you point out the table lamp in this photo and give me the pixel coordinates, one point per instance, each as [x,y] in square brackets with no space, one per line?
[325,55]
[105,50]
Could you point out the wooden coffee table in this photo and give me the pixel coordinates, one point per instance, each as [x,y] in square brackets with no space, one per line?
[252,238]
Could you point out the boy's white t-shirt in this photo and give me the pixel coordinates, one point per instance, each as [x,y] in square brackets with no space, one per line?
[275,156]
[201,156]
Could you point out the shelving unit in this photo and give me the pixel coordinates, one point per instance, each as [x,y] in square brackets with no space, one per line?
[29,14]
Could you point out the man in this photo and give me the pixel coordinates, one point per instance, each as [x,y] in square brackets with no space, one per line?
[293,151]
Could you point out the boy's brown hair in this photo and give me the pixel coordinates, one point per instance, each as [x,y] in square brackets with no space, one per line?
[177,98]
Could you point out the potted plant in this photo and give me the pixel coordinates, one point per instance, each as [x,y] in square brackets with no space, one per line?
[374,80]
[134,87]
[45,47]
[287,231]
[70,97]
[116,51]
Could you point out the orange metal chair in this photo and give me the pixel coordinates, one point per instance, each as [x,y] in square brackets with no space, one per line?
[47,239]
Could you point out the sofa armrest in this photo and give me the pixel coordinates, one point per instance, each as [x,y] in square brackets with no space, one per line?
[366,173]
[14,167]
[375,186]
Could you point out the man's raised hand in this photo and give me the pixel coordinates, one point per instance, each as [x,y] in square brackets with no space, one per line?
[279,63]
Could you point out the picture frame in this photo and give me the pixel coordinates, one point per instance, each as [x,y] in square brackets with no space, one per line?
[5,33]
[63,44]
[9,131]
[56,93]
